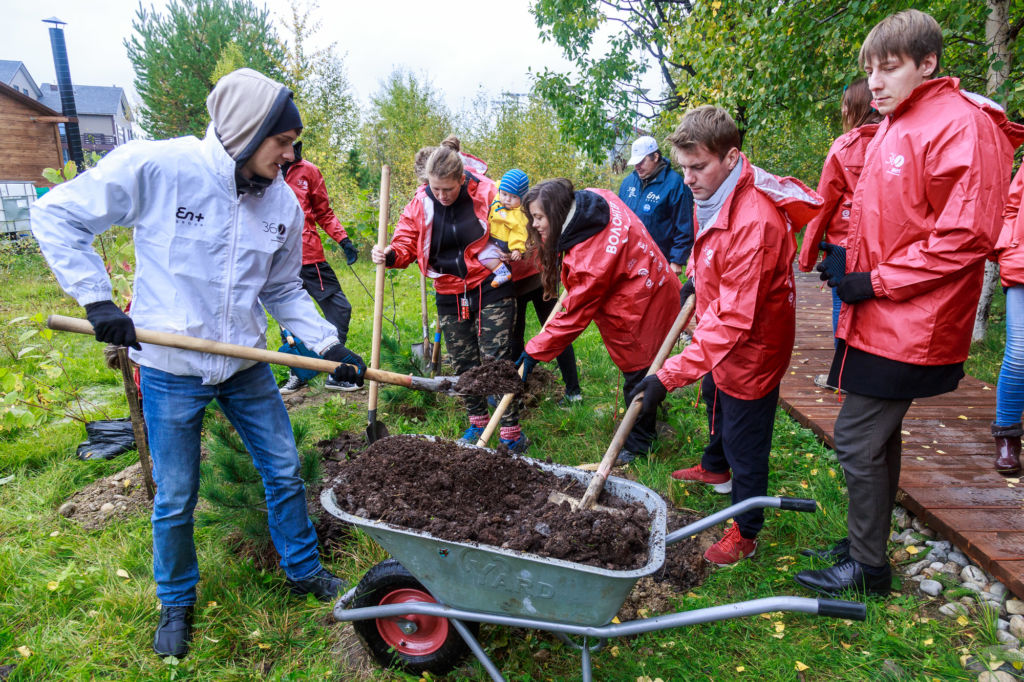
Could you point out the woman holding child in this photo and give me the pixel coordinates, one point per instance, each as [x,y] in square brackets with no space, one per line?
[616,277]
[444,230]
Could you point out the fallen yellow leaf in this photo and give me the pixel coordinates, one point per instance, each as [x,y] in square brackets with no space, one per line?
[779,626]
[779,635]
[121,573]
[263,645]
[54,533]
[962,620]
[845,645]
[803,484]
[801,666]
[24,651]
[740,668]
[52,585]
[960,416]
[832,473]
[814,472]
[614,651]
[928,642]
[766,616]
[211,604]
[616,620]
[911,549]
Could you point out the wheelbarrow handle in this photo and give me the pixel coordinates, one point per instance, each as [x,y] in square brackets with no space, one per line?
[80,326]
[835,608]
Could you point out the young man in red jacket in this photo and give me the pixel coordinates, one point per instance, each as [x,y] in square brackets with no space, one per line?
[742,271]
[925,215]
[318,278]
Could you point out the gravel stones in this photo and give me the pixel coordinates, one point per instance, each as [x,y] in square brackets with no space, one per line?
[933,588]
[1015,607]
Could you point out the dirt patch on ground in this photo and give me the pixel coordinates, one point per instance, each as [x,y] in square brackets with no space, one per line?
[117,496]
[475,495]
[495,377]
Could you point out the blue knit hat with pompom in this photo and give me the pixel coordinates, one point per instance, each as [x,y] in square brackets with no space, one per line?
[514,182]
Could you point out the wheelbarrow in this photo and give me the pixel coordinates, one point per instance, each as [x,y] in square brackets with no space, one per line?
[420,611]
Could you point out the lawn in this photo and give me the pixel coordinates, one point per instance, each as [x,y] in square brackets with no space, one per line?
[79,604]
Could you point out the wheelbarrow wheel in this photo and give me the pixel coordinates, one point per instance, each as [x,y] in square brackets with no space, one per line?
[426,644]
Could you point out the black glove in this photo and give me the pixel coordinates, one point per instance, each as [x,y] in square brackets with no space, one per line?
[528,362]
[833,266]
[654,392]
[346,371]
[855,287]
[111,324]
[351,252]
[689,289]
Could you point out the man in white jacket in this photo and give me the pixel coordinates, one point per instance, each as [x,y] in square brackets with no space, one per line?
[217,239]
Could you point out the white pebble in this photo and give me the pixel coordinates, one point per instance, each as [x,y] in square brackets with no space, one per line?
[958,558]
[1015,607]
[932,588]
[936,565]
[1016,626]
[1003,624]
[995,676]
[106,508]
[939,544]
[915,568]
[1007,638]
[974,587]
[997,588]
[972,574]
[952,609]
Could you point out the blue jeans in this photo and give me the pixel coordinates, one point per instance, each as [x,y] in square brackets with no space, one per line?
[174,406]
[1010,389]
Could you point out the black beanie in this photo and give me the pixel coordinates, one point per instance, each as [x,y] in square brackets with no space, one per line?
[288,120]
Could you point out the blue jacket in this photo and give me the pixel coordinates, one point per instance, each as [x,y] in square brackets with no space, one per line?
[665,206]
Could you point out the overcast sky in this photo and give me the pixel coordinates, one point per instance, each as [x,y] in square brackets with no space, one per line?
[461,45]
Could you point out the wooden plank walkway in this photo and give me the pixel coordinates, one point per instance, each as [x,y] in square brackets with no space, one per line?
[947,474]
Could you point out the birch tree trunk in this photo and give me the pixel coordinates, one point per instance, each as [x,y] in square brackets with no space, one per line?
[997,37]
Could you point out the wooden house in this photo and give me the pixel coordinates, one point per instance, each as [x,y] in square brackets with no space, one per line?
[31,138]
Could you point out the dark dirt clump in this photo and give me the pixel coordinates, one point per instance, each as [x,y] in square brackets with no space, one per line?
[475,495]
[494,377]
[330,530]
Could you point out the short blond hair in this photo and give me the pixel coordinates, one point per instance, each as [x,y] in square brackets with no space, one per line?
[706,126]
[910,33]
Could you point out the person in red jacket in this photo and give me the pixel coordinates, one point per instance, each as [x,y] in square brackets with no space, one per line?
[741,272]
[839,176]
[443,229]
[925,215]
[616,277]
[318,278]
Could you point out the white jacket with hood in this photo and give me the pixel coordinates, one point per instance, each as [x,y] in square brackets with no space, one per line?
[206,257]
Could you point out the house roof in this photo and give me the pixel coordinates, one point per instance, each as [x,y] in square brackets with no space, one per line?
[89,99]
[8,91]
[9,69]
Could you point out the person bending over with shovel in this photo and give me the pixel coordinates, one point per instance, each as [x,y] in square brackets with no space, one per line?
[217,234]
[742,273]
[616,277]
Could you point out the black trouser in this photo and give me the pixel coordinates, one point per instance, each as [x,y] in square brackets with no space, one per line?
[740,439]
[320,282]
[641,438]
[567,359]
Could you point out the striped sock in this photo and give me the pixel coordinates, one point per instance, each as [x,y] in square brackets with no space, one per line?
[479,421]
[510,432]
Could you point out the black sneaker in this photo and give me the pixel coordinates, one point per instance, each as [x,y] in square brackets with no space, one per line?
[331,385]
[323,584]
[570,399]
[626,456]
[173,632]
[293,384]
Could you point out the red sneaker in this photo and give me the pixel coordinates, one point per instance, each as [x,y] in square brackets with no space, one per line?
[722,483]
[732,548]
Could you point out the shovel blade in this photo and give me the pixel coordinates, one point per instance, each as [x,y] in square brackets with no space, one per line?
[375,430]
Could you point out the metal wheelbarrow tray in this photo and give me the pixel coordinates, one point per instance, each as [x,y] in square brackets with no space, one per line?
[476,583]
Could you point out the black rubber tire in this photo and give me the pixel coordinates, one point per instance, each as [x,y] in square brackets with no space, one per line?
[380,581]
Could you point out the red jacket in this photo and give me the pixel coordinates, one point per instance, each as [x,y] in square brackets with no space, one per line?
[926,214]
[839,177]
[411,241]
[619,279]
[307,182]
[742,265]
[1011,253]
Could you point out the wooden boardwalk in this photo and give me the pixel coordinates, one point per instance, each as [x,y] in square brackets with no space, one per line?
[947,474]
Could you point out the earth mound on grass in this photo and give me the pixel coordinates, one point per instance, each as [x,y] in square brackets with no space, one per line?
[494,377]
[475,495]
[117,496]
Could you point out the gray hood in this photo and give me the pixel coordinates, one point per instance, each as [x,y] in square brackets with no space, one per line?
[243,106]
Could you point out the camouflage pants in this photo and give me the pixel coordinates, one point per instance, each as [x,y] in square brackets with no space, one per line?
[471,342]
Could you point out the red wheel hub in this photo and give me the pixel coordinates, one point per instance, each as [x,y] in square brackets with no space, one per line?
[423,634]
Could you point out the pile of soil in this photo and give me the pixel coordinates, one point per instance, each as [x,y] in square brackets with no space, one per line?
[117,496]
[474,495]
[494,377]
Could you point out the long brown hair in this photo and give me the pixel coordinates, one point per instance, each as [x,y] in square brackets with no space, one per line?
[555,199]
[445,161]
[857,102]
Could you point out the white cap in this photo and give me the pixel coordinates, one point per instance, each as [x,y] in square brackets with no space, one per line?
[642,147]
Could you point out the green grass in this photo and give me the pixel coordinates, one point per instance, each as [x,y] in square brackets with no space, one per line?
[62,598]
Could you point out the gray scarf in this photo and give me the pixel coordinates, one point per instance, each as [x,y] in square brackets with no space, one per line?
[708,209]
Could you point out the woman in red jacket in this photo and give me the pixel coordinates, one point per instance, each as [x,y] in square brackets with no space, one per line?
[443,229]
[616,277]
[839,178]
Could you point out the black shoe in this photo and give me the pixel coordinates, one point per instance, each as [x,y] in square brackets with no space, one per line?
[626,456]
[173,632]
[323,584]
[847,575]
[837,553]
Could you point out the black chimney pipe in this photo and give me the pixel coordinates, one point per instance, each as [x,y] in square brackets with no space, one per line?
[67,91]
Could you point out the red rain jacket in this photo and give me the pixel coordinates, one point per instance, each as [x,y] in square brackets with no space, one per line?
[307,182]
[619,279]
[926,214]
[411,241]
[1011,253]
[839,176]
[742,265]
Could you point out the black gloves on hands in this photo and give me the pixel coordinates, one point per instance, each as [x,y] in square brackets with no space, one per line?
[855,287]
[111,325]
[527,362]
[689,289]
[833,266]
[351,252]
[352,370]
[654,392]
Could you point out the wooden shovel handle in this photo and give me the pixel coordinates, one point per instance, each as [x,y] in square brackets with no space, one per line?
[378,291]
[506,399]
[633,411]
[80,326]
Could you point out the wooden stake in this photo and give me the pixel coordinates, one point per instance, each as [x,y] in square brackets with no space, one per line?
[131,392]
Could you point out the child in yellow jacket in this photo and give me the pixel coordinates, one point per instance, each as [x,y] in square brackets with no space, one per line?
[507,224]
